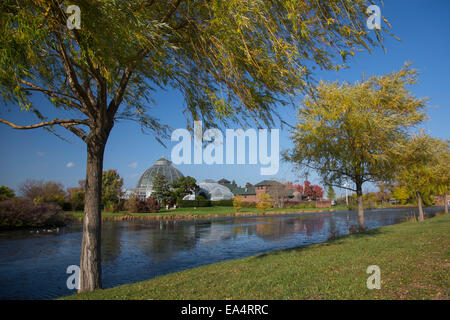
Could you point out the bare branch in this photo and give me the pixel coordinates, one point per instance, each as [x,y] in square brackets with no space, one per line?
[118,97]
[52,93]
[62,122]
[77,131]
[175,5]
[73,80]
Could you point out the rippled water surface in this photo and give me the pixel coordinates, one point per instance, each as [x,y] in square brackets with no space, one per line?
[33,266]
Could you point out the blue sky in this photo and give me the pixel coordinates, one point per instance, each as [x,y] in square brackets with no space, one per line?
[422,26]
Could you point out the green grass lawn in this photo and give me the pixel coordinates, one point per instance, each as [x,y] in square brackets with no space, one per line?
[209,211]
[414,259]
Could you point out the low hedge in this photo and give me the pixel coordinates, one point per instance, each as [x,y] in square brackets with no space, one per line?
[194,203]
[222,203]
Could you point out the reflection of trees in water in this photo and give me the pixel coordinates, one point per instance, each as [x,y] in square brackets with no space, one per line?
[277,228]
[111,233]
[218,231]
[313,224]
[161,240]
[332,224]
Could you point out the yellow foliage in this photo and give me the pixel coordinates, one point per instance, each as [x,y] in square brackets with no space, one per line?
[237,203]
[264,202]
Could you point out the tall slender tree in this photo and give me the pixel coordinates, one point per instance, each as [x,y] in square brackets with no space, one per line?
[424,171]
[232,61]
[161,189]
[330,193]
[441,173]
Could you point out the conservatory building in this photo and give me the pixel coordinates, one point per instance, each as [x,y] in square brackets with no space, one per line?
[163,166]
[211,190]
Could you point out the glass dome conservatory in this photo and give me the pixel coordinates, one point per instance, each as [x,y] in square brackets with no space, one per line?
[212,190]
[163,166]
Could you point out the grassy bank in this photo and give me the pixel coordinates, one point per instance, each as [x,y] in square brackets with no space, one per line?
[414,259]
[205,212]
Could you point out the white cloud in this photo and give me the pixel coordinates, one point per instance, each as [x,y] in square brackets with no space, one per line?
[133,175]
[133,165]
[70,165]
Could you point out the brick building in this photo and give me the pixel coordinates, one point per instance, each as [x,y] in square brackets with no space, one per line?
[280,193]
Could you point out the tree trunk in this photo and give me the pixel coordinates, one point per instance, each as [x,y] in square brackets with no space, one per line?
[90,260]
[446,203]
[359,193]
[419,204]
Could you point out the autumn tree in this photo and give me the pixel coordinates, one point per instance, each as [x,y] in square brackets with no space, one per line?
[264,202]
[400,194]
[347,131]
[384,192]
[112,184]
[423,170]
[299,188]
[307,189]
[237,202]
[441,173]
[76,195]
[76,198]
[317,192]
[278,193]
[231,60]
[43,191]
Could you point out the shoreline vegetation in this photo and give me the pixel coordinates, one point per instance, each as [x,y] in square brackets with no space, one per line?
[214,212]
[413,258]
[69,217]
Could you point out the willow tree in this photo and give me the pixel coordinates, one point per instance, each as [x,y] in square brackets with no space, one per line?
[441,173]
[347,131]
[424,170]
[232,60]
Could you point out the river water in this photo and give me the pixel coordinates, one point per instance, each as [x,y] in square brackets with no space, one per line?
[33,266]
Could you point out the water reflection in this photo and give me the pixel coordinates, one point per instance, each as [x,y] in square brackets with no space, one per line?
[34,265]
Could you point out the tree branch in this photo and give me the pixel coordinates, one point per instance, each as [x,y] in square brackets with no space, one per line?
[66,98]
[118,97]
[62,122]
[73,80]
[52,93]
[175,5]
[77,131]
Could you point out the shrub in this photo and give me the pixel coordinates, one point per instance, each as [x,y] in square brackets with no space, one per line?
[112,206]
[77,200]
[67,206]
[237,203]
[194,203]
[28,214]
[136,205]
[222,203]
[152,205]
[41,191]
[265,202]
[246,204]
